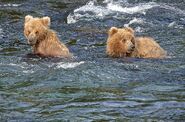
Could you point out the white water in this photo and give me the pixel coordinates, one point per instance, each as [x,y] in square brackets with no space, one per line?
[120,9]
[131,10]
[93,10]
[69,65]
[1,33]
[29,68]
[135,20]
[10,5]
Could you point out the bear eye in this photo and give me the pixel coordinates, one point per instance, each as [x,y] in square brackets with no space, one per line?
[37,32]
[29,32]
[124,40]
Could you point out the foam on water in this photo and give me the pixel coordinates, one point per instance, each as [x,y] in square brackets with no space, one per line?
[1,33]
[26,68]
[135,20]
[10,5]
[93,10]
[29,69]
[131,10]
[87,11]
[69,65]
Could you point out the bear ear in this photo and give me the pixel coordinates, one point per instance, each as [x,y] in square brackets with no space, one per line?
[28,18]
[129,29]
[112,30]
[46,21]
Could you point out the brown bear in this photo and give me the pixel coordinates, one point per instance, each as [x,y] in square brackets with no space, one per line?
[42,39]
[121,42]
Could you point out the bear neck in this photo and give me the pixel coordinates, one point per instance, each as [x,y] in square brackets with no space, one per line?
[42,38]
[39,41]
[44,41]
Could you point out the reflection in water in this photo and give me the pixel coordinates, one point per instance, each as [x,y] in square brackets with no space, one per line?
[92,86]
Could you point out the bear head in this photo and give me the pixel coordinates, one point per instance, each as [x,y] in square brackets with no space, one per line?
[121,41]
[35,29]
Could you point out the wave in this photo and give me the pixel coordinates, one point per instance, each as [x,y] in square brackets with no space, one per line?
[1,33]
[131,10]
[175,9]
[121,9]
[68,65]
[87,11]
[10,5]
[135,20]
[31,68]
[93,10]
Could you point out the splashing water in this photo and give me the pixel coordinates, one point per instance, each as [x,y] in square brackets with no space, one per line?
[1,33]
[135,20]
[69,65]
[93,86]
[92,11]
[10,5]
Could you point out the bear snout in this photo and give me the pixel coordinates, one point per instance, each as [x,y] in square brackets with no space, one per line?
[131,48]
[31,40]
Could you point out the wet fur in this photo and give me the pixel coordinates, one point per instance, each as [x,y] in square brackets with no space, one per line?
[43,40]
[121,42]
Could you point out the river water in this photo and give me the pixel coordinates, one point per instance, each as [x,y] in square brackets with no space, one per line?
[92,86]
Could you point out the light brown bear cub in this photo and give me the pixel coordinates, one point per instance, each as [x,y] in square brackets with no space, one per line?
[121,42]
[43,40]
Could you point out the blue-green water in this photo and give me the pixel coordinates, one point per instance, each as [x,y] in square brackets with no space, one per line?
[92,86]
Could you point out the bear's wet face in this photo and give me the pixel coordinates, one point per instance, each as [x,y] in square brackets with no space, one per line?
[43,40]
[128,42]
[35,29]
[120,42]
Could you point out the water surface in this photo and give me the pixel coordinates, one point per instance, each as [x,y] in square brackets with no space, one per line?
[92,86]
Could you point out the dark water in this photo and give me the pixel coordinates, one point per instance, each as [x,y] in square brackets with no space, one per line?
[92,87]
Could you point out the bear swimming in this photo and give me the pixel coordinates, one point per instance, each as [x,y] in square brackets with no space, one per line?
[122,42]
[42,39]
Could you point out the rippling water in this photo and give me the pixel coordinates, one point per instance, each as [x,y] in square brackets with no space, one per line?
[92,86]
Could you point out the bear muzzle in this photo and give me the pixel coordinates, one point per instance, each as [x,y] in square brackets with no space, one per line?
[130,50]
[131,47]
[31,41]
